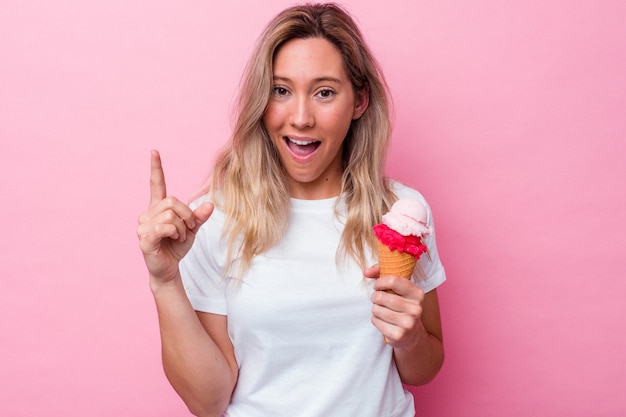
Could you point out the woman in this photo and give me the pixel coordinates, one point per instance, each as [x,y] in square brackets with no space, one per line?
[259,286]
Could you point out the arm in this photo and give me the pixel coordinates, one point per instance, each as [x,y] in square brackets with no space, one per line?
[198,357]
[411,324]
[420,362]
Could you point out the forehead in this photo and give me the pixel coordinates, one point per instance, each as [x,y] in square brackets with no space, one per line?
[311,58]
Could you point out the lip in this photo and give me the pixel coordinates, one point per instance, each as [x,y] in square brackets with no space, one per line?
[302,141]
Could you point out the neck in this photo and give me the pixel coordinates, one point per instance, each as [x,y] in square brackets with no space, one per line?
[322,188]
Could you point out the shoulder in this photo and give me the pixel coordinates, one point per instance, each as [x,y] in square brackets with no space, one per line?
[404,191]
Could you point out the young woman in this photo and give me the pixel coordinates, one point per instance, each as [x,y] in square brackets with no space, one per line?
[266,303]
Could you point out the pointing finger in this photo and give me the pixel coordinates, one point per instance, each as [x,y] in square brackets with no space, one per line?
[157,179]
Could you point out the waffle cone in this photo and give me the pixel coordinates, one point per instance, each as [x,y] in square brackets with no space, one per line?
[392,262]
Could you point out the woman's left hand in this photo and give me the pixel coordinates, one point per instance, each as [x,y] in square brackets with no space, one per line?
[410,322]
[397,309]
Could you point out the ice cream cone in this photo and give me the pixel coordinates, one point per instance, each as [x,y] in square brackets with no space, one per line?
[399,238]
[393,262]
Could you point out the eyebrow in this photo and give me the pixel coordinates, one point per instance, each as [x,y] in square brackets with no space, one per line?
[315,80]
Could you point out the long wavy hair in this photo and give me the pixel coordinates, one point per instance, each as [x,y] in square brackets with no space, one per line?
[248,181]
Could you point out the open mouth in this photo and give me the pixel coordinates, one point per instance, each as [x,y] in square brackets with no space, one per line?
[301,147]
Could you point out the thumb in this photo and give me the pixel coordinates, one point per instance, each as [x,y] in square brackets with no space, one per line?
[202,214]
[372,272]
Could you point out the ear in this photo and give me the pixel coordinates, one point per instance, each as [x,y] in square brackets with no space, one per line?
[361,102]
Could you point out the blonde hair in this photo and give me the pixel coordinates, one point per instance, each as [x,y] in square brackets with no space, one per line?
[248,181]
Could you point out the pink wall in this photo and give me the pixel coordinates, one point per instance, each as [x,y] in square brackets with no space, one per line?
[510,118]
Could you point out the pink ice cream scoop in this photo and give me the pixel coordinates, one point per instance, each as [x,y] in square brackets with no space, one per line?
[408,217]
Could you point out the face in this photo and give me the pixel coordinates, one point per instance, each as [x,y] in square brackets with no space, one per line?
[309,113]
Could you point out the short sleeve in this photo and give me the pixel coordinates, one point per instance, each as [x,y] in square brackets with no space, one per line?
[202,271]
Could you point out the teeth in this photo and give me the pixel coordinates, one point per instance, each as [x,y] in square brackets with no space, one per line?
[301,142]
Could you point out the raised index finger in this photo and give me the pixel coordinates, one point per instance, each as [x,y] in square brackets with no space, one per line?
[157,179]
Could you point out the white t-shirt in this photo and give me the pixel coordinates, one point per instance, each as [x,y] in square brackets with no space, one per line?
[300,324]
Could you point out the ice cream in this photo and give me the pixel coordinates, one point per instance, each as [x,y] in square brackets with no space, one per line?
[399,237]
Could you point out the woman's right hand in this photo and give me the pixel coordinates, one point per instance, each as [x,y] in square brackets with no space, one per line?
[167,228]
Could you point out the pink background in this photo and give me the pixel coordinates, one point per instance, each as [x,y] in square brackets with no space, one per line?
[510,119]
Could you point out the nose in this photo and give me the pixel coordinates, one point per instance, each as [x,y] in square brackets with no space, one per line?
[302,114]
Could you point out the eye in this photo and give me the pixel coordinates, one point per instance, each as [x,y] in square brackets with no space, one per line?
[279,91]
[326,93]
